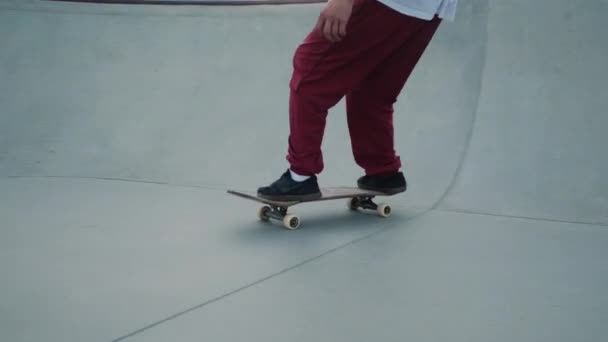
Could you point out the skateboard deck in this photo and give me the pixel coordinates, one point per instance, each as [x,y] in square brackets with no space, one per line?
[357,198]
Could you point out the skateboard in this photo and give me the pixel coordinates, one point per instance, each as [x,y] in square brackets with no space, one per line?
[278,210]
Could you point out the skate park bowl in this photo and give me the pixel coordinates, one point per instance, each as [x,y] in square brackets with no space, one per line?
[123,125]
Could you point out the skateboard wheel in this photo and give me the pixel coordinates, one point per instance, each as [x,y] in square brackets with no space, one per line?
[291,221]
[384,210]
[263,213]
[353,203]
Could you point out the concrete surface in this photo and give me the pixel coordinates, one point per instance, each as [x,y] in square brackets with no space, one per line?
[122,126]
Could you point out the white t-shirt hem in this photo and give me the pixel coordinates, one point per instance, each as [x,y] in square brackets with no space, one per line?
[445,12]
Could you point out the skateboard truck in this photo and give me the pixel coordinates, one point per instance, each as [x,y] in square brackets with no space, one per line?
[279,213]
[367,202]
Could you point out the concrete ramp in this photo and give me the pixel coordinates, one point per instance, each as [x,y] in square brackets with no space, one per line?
[539,136]
[121,127]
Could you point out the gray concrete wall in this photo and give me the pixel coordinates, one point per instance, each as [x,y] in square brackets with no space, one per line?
[121,127]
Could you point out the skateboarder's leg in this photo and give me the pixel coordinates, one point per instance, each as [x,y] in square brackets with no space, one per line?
[324,72]
[370,109]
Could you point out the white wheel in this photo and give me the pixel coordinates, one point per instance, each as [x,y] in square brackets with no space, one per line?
[263,213]
[352,203]
[384,210]
[291,221]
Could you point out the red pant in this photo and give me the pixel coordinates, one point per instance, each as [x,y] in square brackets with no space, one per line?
[370,67]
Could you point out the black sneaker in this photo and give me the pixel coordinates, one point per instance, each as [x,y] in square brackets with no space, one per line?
[389,184]
[286,189]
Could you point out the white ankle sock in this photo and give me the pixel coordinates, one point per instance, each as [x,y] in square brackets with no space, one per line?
[298,178]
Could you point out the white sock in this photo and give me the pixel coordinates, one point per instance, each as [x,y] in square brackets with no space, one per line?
[298,178]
